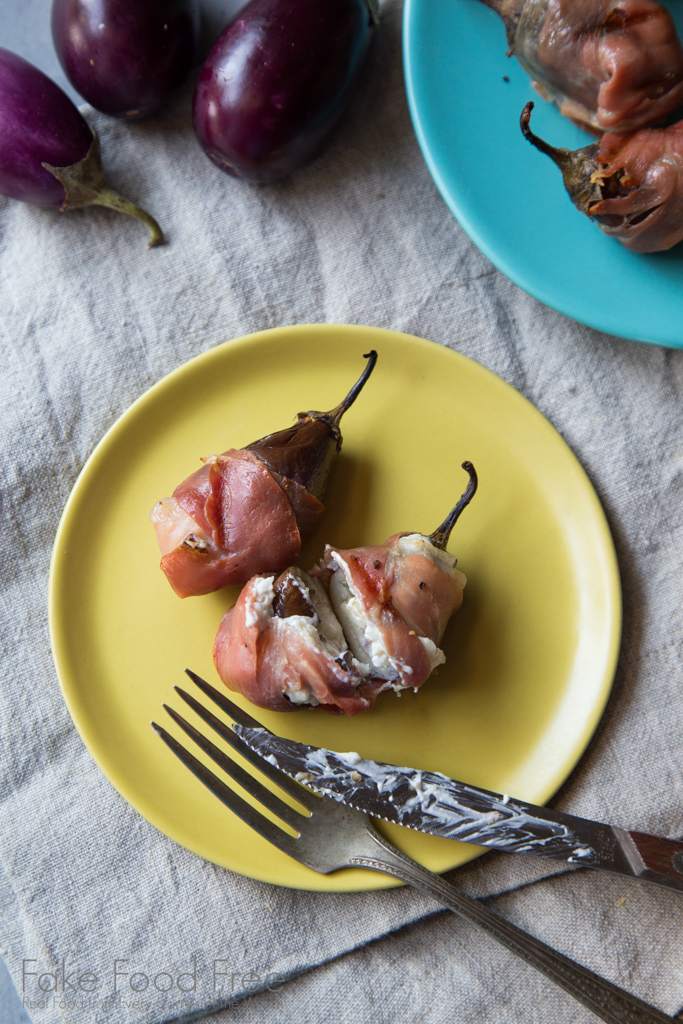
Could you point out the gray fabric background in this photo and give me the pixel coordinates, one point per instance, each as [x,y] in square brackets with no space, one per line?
[88,320]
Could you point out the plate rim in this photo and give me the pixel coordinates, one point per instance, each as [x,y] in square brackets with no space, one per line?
[90,466]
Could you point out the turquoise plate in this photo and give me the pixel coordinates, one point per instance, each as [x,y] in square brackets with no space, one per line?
[508,197]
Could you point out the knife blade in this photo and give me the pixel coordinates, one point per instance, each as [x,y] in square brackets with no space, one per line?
[431,802]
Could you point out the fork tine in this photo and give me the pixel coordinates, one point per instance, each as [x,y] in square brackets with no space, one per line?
[242,778]
[249,815]
[292,788]
[235,712]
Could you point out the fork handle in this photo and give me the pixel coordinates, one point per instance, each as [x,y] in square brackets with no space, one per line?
[607,1001]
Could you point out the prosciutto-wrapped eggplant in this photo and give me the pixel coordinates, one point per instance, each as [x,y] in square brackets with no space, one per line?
[248,510]
[607,64]
[365,620]
[282,646]
[631,183]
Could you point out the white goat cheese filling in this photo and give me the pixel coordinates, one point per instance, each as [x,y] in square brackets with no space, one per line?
[364,638]
[434,653]
[322,633]
[258,605]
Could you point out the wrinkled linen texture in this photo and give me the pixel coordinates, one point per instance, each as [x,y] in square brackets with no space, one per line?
[89,319]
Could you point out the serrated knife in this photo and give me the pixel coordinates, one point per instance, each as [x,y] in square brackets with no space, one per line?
[431,802]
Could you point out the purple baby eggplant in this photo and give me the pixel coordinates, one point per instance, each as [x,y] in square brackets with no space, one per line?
[48,154]
[125,56]
[276,82]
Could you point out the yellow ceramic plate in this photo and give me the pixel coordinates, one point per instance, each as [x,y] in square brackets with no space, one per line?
[530,657]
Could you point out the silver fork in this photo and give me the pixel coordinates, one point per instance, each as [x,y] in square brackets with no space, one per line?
[330,837]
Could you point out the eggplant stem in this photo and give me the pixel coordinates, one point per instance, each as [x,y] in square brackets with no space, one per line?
[442,533]
[579,167]
[111,199]
[334,415]
[85,185]
[535,140]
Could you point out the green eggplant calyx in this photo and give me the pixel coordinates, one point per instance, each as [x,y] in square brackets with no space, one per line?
[85,185]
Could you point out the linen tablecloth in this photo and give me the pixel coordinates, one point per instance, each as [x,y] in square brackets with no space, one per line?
[89,319]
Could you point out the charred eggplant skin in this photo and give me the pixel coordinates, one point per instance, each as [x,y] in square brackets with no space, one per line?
[125,56]
[306,451]
[276,82]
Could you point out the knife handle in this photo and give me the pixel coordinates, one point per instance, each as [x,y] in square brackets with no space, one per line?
[653,858]
[609,1002]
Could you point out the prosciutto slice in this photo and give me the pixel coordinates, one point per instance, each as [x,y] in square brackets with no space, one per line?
[228,521]
[645,170]
[607,64]
[364,620]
